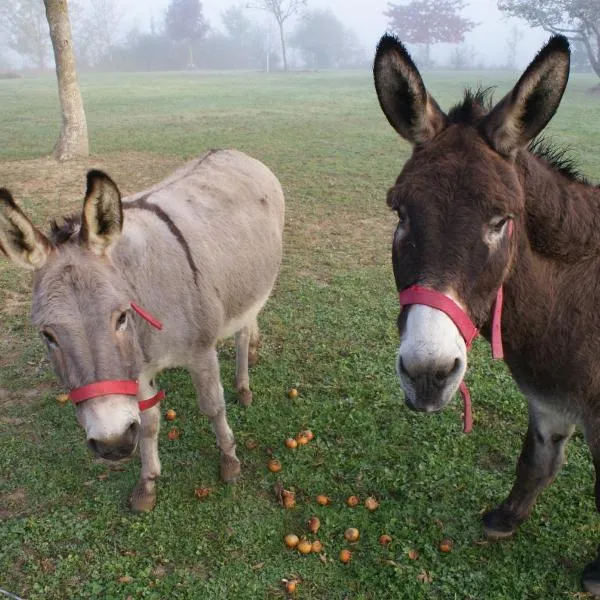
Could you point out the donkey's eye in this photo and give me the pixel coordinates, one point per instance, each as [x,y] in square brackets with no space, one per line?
[122,322]
[498,223]
[402,218]
[49,339]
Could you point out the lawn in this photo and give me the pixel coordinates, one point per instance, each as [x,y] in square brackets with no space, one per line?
[328,330]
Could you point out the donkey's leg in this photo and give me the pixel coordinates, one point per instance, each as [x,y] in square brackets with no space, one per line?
[591,573]
[242,379]
[205,375]
[541,458]
[254,343]
[143,497]
[246,355]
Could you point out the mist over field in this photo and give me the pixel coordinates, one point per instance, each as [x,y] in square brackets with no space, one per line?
[144,35]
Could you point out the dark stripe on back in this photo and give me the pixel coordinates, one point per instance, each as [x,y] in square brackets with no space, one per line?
[143,204]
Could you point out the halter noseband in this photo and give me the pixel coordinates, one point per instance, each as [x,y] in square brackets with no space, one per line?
[125,387]
[416,294]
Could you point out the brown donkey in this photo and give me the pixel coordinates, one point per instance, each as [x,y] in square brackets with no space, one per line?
[200,252]
[480,212]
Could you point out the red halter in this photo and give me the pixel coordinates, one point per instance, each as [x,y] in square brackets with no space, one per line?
[125,387]
[419,295]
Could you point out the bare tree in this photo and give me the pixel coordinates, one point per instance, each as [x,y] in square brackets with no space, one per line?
[26,30]
[73,139]
[282,10]
[579,20]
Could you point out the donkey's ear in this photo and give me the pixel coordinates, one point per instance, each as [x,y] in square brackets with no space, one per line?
[20,240]
[530,105]
[102,220]
[411,111]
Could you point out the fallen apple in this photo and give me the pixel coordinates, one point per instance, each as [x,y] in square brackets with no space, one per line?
[345,555]
[352,534]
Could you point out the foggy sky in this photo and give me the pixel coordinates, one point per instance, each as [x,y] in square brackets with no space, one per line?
[366,19]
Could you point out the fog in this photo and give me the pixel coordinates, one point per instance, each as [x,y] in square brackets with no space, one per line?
[113,35]
[366,19]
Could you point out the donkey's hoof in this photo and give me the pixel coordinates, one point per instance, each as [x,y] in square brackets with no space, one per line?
[143,498]
[591,578]
[499,524]
[245,396]
[230,469]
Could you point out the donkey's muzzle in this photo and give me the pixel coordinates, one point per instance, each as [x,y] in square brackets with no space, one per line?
[117,447]
[429,389]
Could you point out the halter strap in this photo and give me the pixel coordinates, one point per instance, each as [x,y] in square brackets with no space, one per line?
[416,294]
[125,387]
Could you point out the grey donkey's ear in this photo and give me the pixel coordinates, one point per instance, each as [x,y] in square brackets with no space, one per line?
[411,111]
[20,240]
[530,105]
[102,220]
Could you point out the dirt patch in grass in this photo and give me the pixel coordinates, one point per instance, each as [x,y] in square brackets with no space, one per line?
[13,503]
[56,188]
[25,397]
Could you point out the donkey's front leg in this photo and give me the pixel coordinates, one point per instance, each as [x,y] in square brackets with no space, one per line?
[541,458]
[206,378]
[143,497]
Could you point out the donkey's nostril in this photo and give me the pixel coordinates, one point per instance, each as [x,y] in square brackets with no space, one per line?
[402,368]
[442,374]
[93,446]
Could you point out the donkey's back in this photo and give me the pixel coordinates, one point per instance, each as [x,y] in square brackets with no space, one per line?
[211,234]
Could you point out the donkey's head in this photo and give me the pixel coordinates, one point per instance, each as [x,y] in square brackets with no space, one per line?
[458,198]
[81,307]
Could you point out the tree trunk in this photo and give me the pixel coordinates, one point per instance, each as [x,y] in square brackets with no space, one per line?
[594,58]
[73,139]
[285,65]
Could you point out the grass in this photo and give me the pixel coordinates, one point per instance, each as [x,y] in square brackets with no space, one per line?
[328,330]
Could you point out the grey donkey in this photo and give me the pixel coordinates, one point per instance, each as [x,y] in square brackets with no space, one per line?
[199,252]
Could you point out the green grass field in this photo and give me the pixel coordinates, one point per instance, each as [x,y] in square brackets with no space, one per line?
[329,330]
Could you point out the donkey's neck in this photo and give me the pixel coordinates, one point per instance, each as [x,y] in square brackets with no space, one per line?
[563,214]
[551,296]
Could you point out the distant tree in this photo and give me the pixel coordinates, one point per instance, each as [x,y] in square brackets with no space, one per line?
[73,139]
[514,37]
[580,61]
[102,26]
[462,57]
[141,51]
[26,28]
[579,20]
[236,22]
[281,10]
[429,22]
[323,39]
[185,24]
[248,43]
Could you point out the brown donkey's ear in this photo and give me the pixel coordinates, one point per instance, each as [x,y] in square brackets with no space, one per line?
[20,240]
[528,107]
[102,220]
[411,111]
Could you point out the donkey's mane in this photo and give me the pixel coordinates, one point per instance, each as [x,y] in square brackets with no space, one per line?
[559,159]
[61,233]
[474,106]
[477,103]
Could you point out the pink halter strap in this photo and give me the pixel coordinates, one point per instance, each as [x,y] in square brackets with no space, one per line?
[126,387]
[416,294]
